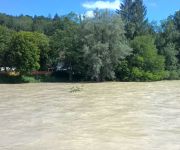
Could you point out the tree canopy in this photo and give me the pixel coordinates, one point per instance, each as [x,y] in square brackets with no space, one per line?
[104,44]
[121,45]
[23,53]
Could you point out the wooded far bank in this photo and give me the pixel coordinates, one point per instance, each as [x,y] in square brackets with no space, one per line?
[121,45]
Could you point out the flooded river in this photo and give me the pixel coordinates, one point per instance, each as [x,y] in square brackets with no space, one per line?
[92,116]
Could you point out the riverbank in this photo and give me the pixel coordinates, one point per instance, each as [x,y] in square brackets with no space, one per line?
[5,79]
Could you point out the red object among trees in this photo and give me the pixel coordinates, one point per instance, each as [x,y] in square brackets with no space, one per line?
[41,72]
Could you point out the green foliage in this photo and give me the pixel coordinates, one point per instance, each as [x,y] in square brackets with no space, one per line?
[28,79]
[23,53]
[65,45]
[27,51]
[123,71]
[133,14]
[17,79]
[170,53]
[174,75]
[92,48]
[145,62]
[5,37]
[168,43]
[104,45]
[141,75]
[23,23]
[42,42]
[42,24]
[17,23]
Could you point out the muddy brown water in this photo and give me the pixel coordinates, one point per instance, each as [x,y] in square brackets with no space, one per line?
[93,116]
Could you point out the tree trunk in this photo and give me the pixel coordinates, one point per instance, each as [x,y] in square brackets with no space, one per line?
[70,72]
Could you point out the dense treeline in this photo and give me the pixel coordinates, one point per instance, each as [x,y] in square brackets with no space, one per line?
[119,45]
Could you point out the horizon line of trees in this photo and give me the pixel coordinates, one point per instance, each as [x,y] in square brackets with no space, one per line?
[119,45]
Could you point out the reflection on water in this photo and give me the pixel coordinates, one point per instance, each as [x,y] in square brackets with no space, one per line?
[103,116]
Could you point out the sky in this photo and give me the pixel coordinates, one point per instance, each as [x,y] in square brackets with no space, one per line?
[156,9]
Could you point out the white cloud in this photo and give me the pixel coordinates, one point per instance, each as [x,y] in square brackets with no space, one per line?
[153,4]
[89,14]
[102,5]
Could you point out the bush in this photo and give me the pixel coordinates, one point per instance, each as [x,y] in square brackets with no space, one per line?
[9,79]
[5,78]
[145,63]
[141,75]
[137,74]
[174,75]
[28,79]
[123,71]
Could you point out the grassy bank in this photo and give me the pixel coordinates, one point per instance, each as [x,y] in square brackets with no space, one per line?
[28,79]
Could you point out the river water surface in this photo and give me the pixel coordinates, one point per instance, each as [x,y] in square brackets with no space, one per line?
[92,116]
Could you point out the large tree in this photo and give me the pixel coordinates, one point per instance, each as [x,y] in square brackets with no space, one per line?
[23,53]
[104,45]
[133,14]
[65,44]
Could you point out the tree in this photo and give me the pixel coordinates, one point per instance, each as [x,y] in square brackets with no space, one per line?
[167,41]
[104,45]
[65,45]
[42,24]
[42,42]
[6,20]
[133,14]
[23,54]
[22,23]
[94,48]
[170,54]
[145,63]
[125,10]
[177,25]
[5,37]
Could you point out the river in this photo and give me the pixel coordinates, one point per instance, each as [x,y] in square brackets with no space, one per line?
[90,116]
